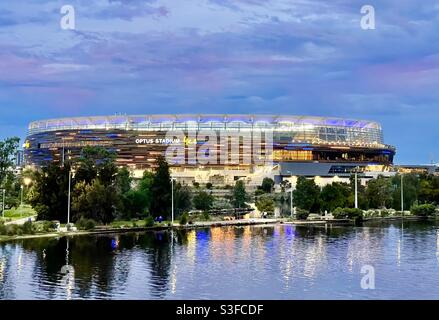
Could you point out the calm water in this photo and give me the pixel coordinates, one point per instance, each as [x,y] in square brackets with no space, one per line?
[258,262]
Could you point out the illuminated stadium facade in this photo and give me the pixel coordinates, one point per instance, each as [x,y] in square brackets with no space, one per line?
[295,145]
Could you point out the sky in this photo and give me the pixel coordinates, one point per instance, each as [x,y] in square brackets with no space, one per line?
[303,57]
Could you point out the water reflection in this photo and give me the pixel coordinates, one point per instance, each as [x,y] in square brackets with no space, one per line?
[254,262]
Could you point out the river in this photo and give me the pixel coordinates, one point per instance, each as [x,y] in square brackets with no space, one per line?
[251,262]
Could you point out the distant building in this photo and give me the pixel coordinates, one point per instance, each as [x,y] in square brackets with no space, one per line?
[20,159]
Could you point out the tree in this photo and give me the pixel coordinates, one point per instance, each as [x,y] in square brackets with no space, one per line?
[136,202]
[306,195]
[203,201]
[267,185]
[265,203]
[182,198]
[48,194]
[239,196]
[335,195]
[94,201]
[423,210]
[96,162]
[410,188]
[161,190]
[429,189]
[379,193]
[123,181]
[8,149]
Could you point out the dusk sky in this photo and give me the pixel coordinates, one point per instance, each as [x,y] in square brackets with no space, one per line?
[303,57]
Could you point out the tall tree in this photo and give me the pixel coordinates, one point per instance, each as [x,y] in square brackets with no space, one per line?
[335,195]
[123,181]
[379,193]
[48,194]
[203,201]
[239,196]
[161,190]
[410,189]
[182,198]
[267,185]
[307,194]
[8,150]
[429,189]
[96,162]
[265,203]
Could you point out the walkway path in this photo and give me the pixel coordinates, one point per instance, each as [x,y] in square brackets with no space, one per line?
[21,221]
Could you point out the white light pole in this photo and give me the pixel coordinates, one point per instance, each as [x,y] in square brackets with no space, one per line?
[68,199]
[4,199]
[356,188]
[21,202]
[402,194]
[172,201]
[291,193]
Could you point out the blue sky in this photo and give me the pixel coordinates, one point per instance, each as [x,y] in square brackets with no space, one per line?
[303,57]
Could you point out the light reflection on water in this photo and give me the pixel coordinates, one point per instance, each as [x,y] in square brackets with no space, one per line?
[252,262]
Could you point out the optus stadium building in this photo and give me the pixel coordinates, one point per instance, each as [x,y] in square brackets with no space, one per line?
[200,147]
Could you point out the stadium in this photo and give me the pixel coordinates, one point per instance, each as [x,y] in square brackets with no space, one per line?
[323,147]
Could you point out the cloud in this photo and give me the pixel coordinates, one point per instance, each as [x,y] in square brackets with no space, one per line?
[268,56]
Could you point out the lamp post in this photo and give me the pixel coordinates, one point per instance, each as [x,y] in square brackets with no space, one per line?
[71,175]
[27,182]
[356,187]
[21,201]
[402,194]
[291,194]
[3,203]
[172,201]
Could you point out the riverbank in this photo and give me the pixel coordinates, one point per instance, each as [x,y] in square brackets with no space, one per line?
[159,227]
[207,224]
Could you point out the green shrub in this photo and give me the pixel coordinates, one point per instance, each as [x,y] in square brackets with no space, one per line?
[423,210]
[2,228]
[348,213]
[14,230]
[184,219]
[302,214]
[206,216]
[27,228]
[384,213]
[86,224]
[149,221]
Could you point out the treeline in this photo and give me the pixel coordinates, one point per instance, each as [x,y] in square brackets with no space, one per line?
[103,192]
[380,193]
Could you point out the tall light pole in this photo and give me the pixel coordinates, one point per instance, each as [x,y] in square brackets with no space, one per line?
[68,199]
[3,203]
[21,202]
[402,194]
[291,193]
[172,201]
[356,188]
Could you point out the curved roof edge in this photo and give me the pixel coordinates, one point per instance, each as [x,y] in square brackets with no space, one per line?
[245,118]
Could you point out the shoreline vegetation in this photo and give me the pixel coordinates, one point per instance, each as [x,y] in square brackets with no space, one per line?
[92,194]
[137,227]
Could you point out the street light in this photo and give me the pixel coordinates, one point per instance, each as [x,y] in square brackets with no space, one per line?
[402,194]
[71,175]
[27,182]
[172,201]
[291,193]
[3,203]
[356,187]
